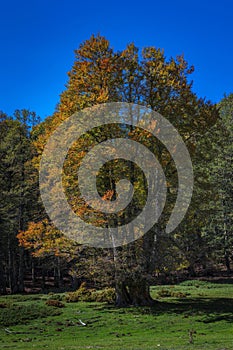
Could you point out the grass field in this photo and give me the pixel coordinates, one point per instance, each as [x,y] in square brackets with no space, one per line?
[192,315]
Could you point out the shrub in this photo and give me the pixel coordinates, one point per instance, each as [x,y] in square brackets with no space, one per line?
[81,294]
[91,295]
[72,297]
[106,295]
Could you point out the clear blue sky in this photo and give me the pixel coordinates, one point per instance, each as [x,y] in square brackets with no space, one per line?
[38,39]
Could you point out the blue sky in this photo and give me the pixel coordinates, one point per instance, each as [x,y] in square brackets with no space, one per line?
[38,39]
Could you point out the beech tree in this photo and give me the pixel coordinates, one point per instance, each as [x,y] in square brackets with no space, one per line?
[100,75]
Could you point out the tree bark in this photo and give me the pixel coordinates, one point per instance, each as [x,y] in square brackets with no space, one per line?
[133,293]
[122,295]
[140,293]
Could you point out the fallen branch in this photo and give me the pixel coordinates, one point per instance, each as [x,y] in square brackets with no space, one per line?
[82,323]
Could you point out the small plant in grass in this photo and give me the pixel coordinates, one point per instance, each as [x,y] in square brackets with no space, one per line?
[180,294]
[164,293]
[191,336]
[55,303]
[3,305]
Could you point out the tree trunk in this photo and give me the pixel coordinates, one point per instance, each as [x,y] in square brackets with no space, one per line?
[2,277]
[43,278]
[58,279]
[33,273]
[134,292]
[133,267]
[12,278]
[227,262]
[139,292]
[21,271]
[2,268]
[122,295]
[75,284]
[191,271]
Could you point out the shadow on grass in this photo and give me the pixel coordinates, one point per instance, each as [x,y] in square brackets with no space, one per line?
[207,310]
[221,280]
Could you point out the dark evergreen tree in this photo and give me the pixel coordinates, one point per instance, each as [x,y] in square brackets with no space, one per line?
[18,196]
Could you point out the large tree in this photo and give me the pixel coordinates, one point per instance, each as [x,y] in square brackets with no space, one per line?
[147,78]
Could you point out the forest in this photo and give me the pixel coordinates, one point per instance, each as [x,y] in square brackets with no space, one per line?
[36,257]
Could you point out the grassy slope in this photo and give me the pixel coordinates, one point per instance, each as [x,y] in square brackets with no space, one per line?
[207,309]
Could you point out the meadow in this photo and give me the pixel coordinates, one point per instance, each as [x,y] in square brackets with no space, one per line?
[191,315]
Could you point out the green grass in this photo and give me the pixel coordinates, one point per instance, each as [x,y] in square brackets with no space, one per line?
[204,308]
